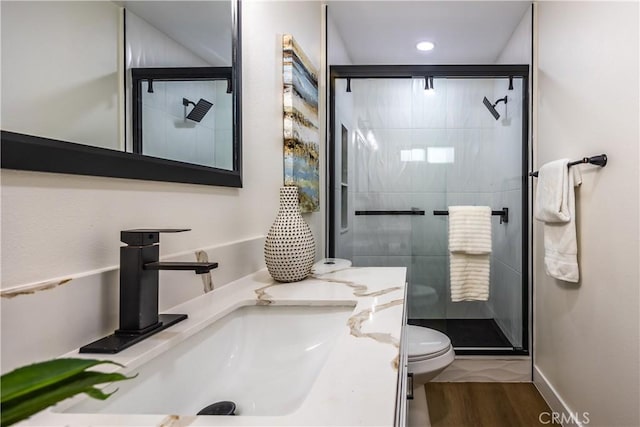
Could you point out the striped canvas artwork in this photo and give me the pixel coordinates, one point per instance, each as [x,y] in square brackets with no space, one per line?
[301,139]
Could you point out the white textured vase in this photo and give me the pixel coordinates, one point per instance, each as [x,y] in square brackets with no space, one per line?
[289,250]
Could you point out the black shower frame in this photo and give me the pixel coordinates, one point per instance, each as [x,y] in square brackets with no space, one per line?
[454,72]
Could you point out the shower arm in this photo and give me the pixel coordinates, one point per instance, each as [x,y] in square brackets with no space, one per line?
[500,100]
[186,102]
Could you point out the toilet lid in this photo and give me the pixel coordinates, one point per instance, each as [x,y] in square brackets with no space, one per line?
[424,342]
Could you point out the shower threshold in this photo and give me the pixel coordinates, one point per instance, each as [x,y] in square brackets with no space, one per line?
[469,335]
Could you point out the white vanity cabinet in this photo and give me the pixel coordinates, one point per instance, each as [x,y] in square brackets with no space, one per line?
[405,383]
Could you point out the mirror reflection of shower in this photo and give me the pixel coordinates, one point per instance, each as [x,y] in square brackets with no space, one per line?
[186,117]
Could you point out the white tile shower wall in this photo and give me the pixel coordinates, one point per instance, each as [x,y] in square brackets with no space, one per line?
[464,106]
[429,107]
[428,292]
[453,116]
[167,132]
[506,292]
[380,235]
[382,103]
[429,233]
[73,324]
[507,301]
[473,169]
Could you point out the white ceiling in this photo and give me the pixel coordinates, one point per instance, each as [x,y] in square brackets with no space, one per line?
[464,32]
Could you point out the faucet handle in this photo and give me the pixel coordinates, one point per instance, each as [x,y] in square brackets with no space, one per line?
[146,236]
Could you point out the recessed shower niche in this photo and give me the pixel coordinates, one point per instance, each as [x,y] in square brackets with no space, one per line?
[184,114]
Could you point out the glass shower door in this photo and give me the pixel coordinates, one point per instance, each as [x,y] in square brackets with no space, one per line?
[404,152]
[471,159]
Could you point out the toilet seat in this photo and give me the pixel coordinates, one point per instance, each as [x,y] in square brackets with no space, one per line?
[425,343]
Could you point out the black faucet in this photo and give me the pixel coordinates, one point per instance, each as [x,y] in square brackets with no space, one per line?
[139,266]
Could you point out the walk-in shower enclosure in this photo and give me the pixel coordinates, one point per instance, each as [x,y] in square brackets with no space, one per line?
[409,141]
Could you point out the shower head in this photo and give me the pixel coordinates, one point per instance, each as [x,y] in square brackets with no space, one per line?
[492,107]
[199,110]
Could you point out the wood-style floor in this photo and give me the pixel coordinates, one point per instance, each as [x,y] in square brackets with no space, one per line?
[486,405]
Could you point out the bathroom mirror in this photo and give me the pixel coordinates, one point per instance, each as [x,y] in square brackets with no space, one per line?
[66,82]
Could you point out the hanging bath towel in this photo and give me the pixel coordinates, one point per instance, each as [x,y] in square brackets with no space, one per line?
[470,251]
[555,207]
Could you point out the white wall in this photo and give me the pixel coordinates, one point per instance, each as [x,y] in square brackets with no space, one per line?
[147,46]
[264,23]
[517,50]
[337,51]
[57,226]
[587,335]
[60,79]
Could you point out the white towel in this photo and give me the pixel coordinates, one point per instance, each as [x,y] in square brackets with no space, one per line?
[552,197]
[470,229]
[556,206]
[470,249]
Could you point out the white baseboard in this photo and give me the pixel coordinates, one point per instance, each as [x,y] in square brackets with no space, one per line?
[553,399]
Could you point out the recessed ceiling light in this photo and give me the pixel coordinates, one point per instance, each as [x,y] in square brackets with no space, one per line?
[425,46]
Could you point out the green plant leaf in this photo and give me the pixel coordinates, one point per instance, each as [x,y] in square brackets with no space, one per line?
[22,407]
[29,378]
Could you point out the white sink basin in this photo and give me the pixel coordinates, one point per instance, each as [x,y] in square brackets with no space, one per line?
[263,358]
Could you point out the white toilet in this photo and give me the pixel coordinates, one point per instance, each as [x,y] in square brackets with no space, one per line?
[430,352]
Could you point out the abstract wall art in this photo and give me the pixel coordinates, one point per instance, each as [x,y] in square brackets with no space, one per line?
[301,137]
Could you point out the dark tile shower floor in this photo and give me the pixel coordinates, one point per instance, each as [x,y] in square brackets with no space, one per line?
[467,332]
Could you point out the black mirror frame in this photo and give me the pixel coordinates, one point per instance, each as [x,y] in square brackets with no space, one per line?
[27,152]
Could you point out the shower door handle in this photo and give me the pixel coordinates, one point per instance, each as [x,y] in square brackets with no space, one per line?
[413,211]
[410,386]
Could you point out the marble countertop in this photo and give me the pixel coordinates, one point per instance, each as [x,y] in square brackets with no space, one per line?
[355,387]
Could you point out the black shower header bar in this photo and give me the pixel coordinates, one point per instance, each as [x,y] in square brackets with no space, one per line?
[503,214]
[411,71]
[600,160]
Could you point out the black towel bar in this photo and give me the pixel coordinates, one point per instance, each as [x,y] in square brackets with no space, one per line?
[600,160]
